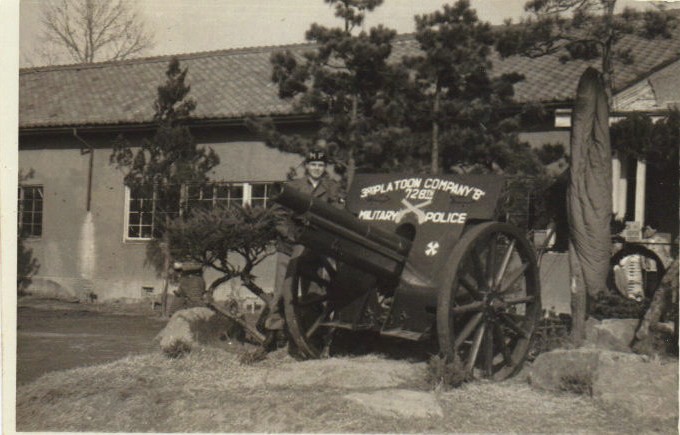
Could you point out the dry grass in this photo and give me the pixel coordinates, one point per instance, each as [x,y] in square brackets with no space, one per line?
[209,391]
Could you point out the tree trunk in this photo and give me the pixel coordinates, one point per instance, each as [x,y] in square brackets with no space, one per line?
[435,133]
[165,247]
[579,297]
[351,163]
[255,289]
[607,53]
[166,267]
[661,303]
[257,335]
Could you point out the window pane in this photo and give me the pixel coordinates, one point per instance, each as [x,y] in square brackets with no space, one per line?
[259,190]
[27,205]
[257,202]
[134,205]
[222,191]
[133,232]
[146,232]
[147,218]
[146,205]
[134,219]
[237,192]
[193,191]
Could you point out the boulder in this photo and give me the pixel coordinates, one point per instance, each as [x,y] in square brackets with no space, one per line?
[193,326]
[399,403]
[632,383]
[647,389]
[611,334]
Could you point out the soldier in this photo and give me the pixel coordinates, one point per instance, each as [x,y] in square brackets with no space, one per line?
[317,183]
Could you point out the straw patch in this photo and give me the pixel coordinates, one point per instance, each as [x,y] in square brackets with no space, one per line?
[210,391]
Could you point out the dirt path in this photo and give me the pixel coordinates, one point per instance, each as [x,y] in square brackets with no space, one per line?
[57,339]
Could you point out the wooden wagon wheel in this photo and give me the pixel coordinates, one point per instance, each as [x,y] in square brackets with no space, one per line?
[306,305]
[489,307]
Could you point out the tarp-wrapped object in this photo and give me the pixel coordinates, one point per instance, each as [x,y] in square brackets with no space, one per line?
[589,199]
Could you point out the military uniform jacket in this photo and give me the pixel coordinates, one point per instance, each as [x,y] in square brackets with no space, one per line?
[327,189]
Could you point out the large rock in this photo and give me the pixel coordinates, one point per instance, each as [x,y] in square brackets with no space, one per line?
[611,334]
[647,389]
[399,403]
[632,383]
[193,326]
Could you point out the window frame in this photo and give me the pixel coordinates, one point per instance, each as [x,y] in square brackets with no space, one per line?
[21,211]
[246,200]
[126,224]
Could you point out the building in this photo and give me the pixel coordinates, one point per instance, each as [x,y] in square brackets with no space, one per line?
[84,226]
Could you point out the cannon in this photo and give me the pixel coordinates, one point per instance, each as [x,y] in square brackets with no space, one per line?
[421,258]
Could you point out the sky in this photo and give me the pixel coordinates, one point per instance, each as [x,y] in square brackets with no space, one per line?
[182,26]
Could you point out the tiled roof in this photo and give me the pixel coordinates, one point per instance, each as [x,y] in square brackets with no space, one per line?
[666,85]
[230,84]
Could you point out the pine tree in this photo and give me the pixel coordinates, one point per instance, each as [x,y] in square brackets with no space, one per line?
[347,82]
[456,94]
[584,30]
[164,163]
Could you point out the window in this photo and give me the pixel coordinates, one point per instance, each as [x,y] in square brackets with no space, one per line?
[147,207]
[259,196]
[144,206]
[207,197]
[30,210]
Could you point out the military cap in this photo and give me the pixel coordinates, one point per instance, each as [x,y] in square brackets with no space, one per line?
[316,156]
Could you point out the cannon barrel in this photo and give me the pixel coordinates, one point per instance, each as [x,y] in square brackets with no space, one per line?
[340,234]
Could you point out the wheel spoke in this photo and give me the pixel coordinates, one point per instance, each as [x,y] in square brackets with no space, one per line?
[478,268]
[491,260]
[311,299]
[467,330]
[488,351]
[500,338]
[504,263]
[471,288]
[510,323]
[513,278]
[330,266]
[475,347]
[312,329]
[517,318]
[473,306]
[524,300]
[488,314]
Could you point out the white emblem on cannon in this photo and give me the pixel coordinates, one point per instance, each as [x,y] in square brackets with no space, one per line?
[410,208]
[432,249]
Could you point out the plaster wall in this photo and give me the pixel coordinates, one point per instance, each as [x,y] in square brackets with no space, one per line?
[80,251]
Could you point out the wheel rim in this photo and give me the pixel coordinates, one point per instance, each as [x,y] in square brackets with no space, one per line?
[489,309]
[306,306]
